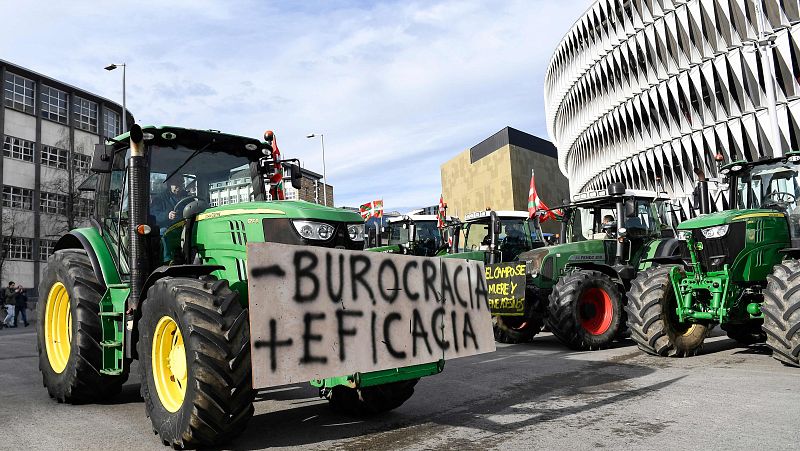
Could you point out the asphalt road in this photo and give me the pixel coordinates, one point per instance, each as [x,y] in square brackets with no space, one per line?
[532,396]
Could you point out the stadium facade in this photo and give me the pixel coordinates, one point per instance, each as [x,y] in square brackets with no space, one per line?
[645,90]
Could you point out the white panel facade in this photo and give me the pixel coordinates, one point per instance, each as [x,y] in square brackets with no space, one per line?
[645,90]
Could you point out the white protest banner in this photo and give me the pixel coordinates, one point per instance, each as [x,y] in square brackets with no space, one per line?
[318,312]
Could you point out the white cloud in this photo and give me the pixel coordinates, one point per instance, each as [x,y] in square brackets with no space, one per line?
[397,88]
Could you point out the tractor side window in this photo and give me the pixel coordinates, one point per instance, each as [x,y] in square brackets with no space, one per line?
[398,233]
[478,236]
[112,209]
[605,227]
[575,229]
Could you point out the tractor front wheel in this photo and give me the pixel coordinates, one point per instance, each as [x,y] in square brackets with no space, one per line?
[515,329]
[652,318]
[69,332]
[369,400]
[194,352]
[586,310]
[781,309]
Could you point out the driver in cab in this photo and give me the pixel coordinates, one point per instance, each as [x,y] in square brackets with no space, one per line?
[163,205]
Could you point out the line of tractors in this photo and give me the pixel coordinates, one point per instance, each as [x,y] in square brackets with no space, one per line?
[160,275]
[626,266]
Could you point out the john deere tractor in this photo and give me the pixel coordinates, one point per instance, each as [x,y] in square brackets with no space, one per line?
[413,235]
[161,276]
[738,268]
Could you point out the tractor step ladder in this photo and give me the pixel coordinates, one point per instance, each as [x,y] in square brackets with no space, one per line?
[112,320]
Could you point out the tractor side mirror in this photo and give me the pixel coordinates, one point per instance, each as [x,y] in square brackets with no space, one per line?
[630,208]
[497,227]
[296,175]
[103,158]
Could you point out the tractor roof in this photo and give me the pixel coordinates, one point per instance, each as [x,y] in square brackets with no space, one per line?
[591,198]
[413,218]
[217,141]
[500,214]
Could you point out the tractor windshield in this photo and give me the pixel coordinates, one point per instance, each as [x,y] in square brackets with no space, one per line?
[516,235]
[600,222]
[398,233]
[218,178]
[769,186]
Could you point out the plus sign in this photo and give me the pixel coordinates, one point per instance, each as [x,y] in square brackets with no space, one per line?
[273,343]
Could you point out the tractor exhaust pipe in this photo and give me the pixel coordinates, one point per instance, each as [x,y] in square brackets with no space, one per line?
[139,194]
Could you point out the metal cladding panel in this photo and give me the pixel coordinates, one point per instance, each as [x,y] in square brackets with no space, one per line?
[682,81]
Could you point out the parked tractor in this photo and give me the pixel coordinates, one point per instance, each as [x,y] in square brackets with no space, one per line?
[161,277]
[739,269]
[497,238]
[413,235]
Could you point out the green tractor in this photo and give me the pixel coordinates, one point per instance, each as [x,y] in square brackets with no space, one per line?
[738,268]
[577,288]
[501,238]
[413,235]
[161,277]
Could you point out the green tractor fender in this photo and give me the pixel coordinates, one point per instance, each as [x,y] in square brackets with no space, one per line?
[665,251]
[618,275]
[90,240]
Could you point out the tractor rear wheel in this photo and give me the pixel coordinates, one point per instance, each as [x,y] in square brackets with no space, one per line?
[652,318]
[69,332]
[747,334]
[369,400]
[781,310]
[194,353]
[586,310]
[515,329]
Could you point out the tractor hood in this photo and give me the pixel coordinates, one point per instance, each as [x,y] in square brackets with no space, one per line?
[724,217]
[295,209]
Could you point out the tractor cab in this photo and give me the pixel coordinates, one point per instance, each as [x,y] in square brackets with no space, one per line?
[414,235]
[499,236]
[768,185]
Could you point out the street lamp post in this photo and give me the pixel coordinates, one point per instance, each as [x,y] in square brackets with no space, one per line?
[765,45]
[324,179]
[111,67]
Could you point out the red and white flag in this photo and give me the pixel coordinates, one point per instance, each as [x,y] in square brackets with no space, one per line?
[371,209]
[441,214]
[536,205]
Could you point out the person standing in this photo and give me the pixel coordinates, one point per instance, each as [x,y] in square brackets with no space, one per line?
[21,306]
[11,294]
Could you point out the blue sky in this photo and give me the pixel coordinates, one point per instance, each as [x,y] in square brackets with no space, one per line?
[397,88]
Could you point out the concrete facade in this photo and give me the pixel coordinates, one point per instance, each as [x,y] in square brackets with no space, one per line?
[48,130]
[496,174]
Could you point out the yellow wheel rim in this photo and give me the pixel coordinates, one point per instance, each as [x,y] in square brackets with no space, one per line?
[58,327]
[169,364]
[689,330]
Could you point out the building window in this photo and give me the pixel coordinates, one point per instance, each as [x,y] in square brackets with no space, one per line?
[15,197]
[18,248]
[54,157]
[111,123]
[85,114]
[83,207]
[81,162]
[19,93]
[46,249]
[54,104]
[52,203]
[18,148]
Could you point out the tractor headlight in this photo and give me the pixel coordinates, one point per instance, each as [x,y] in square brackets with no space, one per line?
[311,230]
[715,232]
[356,232]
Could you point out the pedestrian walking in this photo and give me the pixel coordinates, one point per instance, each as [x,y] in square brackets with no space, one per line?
[21,306]
[10,298]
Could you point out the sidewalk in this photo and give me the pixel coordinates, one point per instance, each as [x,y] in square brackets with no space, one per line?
[31,313]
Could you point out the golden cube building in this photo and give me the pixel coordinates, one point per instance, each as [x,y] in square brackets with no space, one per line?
[496,174]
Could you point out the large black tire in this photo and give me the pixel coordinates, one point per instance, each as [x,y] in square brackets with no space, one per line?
[369,400]
[80,381]
[515,329]
[586,310]
[747,334]
[218,399]
[653,321]
[781,310]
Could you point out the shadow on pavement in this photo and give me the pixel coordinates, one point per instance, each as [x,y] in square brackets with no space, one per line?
[467,394]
